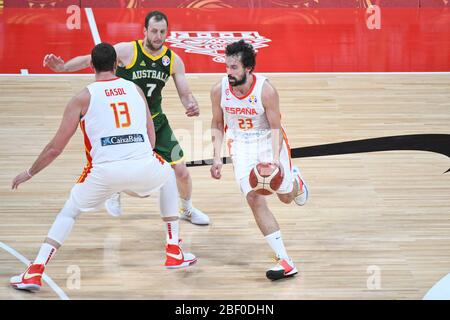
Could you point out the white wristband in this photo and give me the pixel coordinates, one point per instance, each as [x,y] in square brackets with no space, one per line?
[28,173]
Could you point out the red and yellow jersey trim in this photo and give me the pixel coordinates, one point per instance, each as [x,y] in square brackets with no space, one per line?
[135,54]
[285,138]
[88,148]
[249,91]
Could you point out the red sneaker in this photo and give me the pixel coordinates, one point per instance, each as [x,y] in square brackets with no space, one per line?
[176,258]
[30,279]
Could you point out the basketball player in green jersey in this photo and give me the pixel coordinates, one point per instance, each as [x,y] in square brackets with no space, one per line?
[149,64]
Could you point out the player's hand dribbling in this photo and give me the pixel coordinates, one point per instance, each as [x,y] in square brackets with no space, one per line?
[55,63]
[216,168]
[278,164]
[21,178]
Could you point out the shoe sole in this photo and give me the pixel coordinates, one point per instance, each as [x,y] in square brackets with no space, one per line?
[200,223]
[27,287]
[182,265]
[277,275]
[183,217]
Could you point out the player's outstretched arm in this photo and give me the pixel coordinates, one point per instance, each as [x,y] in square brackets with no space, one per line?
[75,108]
[124,51]
[57,64]
[187,98]
[217,131]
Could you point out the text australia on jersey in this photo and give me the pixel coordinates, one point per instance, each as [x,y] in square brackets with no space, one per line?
[150,74]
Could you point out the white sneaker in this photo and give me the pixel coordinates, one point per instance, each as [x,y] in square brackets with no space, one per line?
[283,269]
[303,191]
[195,216]
[113,206]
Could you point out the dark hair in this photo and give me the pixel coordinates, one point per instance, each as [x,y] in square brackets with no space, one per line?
[103,57]
[158,15]
[245,52]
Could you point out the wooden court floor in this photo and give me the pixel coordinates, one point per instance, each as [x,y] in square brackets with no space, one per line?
[377,225]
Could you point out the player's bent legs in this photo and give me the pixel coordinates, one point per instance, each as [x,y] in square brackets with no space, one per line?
[86,196]
[287,198]
[89,195]
[263,216]
[164,180]
[31,279]
[167,199]
[63,224]
[168,147]
[168,195]
[184,181]
[270,229]
[153,176]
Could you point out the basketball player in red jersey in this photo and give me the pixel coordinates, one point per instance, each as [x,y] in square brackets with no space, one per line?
[245,106]
[119,136]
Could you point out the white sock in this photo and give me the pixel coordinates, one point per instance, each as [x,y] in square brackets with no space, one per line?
[276,243]
[45,254]
[186,205]
[172,232]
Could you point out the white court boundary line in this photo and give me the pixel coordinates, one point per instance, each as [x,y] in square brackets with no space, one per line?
[92,25]
[223,73]
[46,278]
[440,290]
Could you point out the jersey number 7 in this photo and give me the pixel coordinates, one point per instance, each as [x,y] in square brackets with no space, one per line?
[151,87]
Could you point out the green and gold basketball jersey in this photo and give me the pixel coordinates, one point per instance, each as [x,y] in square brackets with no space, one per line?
[150,73]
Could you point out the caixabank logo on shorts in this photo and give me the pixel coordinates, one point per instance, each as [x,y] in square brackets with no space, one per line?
[213,43]
[129,138]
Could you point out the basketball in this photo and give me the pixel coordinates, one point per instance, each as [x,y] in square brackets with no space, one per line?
[265,178]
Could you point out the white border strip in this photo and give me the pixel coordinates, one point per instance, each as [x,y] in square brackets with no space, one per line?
[92,25]
[322,73]
[46,278]
[47,74]
[223,73]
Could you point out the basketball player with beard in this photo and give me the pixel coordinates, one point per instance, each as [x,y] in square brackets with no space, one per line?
[149,64]
[245,106]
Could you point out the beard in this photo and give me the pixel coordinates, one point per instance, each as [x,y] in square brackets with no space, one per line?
[237,82]
[149,45]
